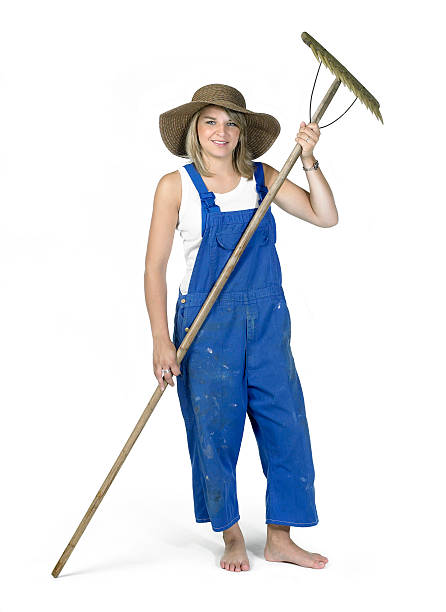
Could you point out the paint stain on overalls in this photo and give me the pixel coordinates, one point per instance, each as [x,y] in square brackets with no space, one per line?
[239,363]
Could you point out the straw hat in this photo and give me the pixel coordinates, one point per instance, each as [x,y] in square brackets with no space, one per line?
[262,129]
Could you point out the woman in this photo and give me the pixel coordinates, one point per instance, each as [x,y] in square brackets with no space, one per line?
[240,361]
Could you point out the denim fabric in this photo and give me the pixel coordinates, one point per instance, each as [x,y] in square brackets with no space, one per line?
[239,363]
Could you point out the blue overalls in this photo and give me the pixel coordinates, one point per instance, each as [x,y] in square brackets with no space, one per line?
[241,362]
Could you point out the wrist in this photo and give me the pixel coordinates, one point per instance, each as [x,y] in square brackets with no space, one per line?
[313,164]
[161,336]
[308,160]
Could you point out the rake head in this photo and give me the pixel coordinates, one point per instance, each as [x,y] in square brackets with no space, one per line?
[343,75]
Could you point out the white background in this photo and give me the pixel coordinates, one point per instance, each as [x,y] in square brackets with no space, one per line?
[82,85]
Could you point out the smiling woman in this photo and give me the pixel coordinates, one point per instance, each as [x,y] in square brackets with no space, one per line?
[240,361]
[215,128]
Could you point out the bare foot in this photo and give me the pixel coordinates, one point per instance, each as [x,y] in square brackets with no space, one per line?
[234,558]
[280,547]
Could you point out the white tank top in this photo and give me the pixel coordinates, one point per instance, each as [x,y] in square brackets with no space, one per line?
[189,218]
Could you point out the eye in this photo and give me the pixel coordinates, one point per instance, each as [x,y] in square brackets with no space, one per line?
[212,121]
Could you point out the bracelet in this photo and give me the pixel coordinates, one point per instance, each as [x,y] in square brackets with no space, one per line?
[315,166]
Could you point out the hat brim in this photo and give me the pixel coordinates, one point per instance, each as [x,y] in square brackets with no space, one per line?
[262,129]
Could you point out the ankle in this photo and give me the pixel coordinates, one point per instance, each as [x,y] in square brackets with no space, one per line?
[277,532]
[232,534]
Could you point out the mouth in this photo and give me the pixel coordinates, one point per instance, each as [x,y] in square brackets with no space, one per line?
[220,143]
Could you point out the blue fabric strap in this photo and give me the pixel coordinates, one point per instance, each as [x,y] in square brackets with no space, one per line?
[261,188]
[207,197]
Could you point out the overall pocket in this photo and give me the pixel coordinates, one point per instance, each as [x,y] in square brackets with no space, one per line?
[185,318]
[229,239]
[179,323]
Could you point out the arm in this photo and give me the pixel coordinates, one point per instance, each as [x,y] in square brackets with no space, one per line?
[316,206]
[162,229]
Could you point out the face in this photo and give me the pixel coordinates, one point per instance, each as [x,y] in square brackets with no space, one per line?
[214,127]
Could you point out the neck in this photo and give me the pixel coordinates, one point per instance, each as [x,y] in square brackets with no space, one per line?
[220,166]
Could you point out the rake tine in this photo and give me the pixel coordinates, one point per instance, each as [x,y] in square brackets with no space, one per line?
[341,73]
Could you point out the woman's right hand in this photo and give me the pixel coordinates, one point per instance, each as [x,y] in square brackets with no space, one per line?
[164,357]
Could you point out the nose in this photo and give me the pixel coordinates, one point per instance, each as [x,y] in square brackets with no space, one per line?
[221,131]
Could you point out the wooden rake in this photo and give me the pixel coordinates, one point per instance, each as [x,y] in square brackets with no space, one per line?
[342,76]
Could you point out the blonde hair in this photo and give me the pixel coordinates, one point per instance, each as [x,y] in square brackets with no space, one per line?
[241,155]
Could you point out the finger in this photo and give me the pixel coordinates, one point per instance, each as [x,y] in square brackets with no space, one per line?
[309,132]
[159,377]
[304,137]
[314,126]
[168,378]
[175,369]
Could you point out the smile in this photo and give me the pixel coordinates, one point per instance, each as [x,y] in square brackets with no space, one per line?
[220,143]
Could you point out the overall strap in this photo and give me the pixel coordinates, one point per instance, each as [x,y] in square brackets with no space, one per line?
[261,188]
[207,197]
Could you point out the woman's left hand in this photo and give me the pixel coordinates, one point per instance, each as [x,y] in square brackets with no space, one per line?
[310,131]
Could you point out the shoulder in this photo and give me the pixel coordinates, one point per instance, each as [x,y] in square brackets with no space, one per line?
[170,181]
[169,187]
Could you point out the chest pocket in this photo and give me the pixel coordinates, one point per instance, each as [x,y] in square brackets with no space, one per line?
[229,239]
